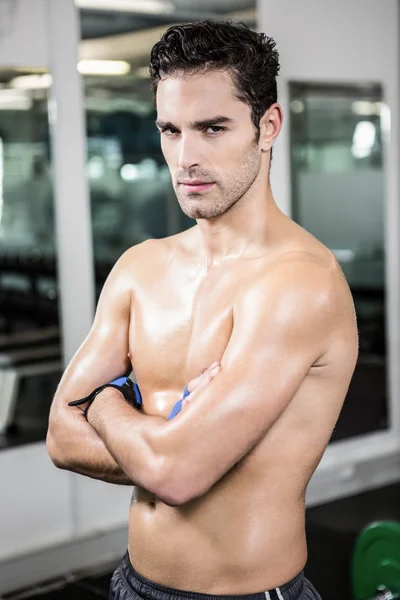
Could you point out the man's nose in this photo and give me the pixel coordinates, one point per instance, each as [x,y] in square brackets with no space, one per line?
[188,155]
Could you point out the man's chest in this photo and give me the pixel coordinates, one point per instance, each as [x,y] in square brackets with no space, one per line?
[178,330]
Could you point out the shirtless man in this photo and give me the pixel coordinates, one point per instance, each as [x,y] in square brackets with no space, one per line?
[219,498]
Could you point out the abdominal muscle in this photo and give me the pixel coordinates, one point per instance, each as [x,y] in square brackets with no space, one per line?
[245,535]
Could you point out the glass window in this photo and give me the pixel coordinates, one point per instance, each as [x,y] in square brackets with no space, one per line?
[30,361]
[338,195]
[129,181]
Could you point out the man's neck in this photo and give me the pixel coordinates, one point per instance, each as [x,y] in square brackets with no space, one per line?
[241,231]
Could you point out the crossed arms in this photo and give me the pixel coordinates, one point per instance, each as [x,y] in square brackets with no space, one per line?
[282,326]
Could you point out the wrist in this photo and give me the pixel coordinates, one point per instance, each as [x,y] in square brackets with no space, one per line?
[125,385]
[103,399]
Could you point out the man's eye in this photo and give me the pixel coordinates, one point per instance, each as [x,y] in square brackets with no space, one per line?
[169,131]
[214,129]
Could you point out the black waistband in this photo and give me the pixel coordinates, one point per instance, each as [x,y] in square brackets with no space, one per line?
[149,590]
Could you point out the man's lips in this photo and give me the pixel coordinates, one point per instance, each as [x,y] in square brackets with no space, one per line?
[196,185]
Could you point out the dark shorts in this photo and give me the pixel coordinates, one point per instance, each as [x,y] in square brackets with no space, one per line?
[127,584]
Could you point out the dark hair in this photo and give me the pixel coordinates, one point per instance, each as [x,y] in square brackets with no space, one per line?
[249,57]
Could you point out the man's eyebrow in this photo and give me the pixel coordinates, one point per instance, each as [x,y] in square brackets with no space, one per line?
[164,124]
[218,120]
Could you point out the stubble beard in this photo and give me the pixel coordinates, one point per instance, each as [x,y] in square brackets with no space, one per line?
[221,197]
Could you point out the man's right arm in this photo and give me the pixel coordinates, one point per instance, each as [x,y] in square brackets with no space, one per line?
[71,442]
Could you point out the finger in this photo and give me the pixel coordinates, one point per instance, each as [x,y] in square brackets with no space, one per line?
[194,383]
[201,382]
[208,377]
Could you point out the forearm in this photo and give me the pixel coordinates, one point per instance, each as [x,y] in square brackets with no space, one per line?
[75,446]
[129,436]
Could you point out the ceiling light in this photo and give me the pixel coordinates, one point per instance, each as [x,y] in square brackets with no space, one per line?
[103,67]
[31,82]
[138,6]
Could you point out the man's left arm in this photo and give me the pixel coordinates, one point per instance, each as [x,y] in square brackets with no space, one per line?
[282,326]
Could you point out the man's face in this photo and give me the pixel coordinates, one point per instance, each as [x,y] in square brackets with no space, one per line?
[208,140]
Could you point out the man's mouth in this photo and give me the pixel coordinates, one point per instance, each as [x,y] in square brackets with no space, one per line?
[195,185]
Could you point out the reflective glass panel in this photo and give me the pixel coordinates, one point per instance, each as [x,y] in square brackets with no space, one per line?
[30,362]
[337,133]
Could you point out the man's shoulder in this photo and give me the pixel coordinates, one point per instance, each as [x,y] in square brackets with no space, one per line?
[300,250]
[302,299]
[300,280]
[308,266]
[153,253]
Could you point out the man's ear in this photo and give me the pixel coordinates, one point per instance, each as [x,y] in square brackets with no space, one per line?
[270,126]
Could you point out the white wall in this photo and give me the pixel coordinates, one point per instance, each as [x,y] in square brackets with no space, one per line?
[23,40]
[322,41]
[35,501]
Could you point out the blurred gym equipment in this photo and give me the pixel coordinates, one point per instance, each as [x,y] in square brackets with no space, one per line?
[376,562]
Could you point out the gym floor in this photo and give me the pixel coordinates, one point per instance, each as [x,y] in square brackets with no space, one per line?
[331,531]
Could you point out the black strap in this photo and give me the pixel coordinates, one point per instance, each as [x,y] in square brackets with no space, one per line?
[127,390]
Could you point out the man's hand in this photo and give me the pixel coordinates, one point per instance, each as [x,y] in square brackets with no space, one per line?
[201,381]
[128,389]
